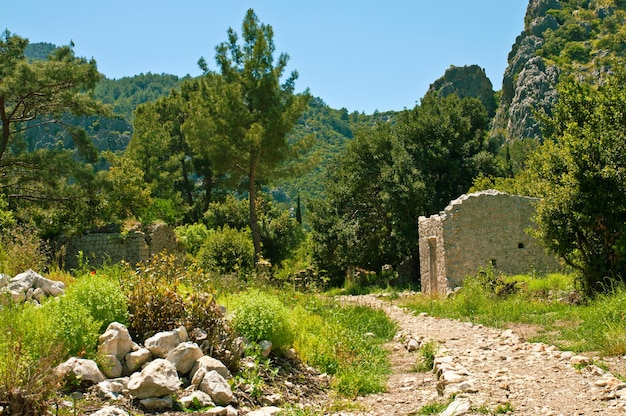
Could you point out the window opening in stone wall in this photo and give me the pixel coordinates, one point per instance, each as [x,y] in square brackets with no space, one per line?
[520,245]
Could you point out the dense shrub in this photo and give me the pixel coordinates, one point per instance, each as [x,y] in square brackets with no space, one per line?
[192,236]
[73,326]
[28,354]
[21,249]
[102,296]
[227,250]
[162,295]
[261,316]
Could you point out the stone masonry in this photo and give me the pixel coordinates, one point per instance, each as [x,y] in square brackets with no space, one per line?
[133,246]
[478,230]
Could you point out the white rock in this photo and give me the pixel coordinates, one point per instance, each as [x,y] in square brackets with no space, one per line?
[202,398]
[50,287]
[110,366]
[112,389]
[185,356]
[412,345]
[116,341]
[580,360]
[265,411]
[110,411]
[460,406]
[206,364]
[217,387]
[162,343]
[85,370]
[136,359]
[157,403]
[158,378]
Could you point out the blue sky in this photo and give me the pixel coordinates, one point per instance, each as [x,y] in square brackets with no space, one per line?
[362,55]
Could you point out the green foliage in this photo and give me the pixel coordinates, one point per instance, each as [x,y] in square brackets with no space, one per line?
[579,171]
[73,326]
[261,316]
[426,357]
[332,339]
[227,250]
[192,236]
[390,175]
[29,351]
[21,249]
[101,295]
[247,112]
[162,296]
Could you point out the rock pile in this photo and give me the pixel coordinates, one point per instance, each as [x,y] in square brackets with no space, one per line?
[30,287]
[153,373]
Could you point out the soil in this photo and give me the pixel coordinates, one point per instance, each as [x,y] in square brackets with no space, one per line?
[504,372]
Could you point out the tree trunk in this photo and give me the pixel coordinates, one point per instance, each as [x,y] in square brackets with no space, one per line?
[254,221]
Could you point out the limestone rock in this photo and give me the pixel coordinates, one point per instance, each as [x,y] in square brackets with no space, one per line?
[157,379]
[265,411]
[162,343]
[49,287]
[86,371]
[116,341]
[217,387]
[157,403]
[185,356]
[136,359]
[266,348]
[460,406]
[206,364]
[110,366]
[199,397]
[112,389]
[110,411]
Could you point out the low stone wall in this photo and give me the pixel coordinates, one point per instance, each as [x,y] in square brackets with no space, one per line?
[111,248]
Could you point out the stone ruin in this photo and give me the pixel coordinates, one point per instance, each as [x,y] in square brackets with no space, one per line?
[133,246]
[488,228]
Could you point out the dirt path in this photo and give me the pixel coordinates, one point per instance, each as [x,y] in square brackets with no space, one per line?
[486,369]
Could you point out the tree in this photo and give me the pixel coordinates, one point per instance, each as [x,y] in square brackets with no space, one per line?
[173,167]
[390,175]
[45,187]
[43,91]
[244,112]
[580,171]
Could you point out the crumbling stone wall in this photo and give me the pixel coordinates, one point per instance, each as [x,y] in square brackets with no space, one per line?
[133,247]
[478,230]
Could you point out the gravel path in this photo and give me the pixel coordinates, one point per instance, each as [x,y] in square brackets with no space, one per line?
[486,369]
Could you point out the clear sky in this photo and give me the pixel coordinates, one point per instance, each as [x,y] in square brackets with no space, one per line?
[363,55]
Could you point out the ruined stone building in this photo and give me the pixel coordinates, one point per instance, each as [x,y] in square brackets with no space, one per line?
[475,231]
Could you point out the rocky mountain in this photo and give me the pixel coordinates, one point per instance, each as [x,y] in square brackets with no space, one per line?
[580,38]
[466,81]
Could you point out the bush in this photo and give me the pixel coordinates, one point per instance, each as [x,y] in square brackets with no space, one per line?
[262,316]
[162,296]
[73,326]
[21,249]
[227,250]
[28,354]
[102,297]
[192,236]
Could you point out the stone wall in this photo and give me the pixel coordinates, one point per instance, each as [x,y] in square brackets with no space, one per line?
[111,248]
[479,230]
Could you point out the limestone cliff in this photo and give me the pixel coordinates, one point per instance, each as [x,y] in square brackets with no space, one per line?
[466,81]
[560,38]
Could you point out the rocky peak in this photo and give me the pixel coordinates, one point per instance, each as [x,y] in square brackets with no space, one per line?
[466,81]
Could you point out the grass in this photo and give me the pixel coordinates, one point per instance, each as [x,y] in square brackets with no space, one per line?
[597,324]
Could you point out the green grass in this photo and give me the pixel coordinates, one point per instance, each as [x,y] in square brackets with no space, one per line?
[345,342]
[597,324]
